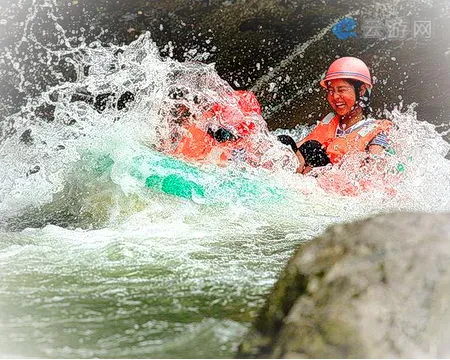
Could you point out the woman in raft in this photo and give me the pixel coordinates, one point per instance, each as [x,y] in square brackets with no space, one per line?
[349,128]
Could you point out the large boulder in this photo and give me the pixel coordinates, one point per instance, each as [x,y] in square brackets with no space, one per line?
[374,288]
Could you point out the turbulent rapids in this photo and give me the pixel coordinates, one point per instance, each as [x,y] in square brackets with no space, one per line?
[97,263]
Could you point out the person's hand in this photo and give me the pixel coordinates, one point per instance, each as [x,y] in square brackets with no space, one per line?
[302,164]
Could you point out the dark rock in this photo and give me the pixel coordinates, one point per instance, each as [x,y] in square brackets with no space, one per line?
[33,170]
[26,137]
[376,288]
[124,99]
[45,112]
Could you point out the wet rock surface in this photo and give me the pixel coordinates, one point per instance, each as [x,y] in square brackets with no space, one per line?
[277,48]
[376,288]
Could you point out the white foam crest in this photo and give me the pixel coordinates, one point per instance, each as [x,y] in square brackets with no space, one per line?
[41,152]
[425,185]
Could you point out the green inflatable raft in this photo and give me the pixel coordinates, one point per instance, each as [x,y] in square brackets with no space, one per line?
[175,177]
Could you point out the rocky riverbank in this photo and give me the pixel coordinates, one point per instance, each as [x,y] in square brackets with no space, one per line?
[376,288]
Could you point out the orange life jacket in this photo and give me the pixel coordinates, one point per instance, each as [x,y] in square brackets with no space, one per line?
[358,140]
[196,144]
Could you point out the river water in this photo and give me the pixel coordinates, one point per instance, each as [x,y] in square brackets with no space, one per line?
[94,264]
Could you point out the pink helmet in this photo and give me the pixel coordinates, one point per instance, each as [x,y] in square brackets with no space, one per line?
[348,68]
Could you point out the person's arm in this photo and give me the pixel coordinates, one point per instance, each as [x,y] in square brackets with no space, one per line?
[378,144]
[288,140]
[375,149]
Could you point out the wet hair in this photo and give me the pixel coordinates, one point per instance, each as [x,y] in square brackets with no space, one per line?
[287,140]
[221,135]
[364,100]
[314,153]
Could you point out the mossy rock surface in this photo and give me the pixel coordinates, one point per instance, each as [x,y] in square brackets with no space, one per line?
[373,288]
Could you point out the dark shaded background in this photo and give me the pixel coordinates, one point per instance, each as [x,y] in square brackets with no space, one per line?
[245,39]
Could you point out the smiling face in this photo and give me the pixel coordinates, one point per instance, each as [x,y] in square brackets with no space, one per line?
[341,96]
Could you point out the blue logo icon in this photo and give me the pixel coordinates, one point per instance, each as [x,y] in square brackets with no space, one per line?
[345,28]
